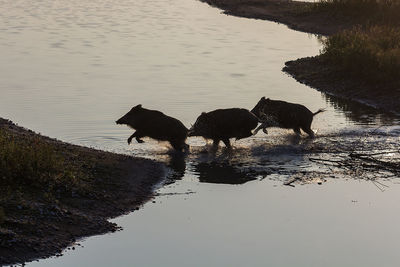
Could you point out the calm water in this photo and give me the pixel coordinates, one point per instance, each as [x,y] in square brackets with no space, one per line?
[71,68]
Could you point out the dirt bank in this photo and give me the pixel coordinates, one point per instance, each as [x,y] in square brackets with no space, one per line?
[40,221]
[316,73]
[296,15]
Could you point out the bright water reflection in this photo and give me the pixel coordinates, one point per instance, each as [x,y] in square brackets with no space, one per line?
[70,68]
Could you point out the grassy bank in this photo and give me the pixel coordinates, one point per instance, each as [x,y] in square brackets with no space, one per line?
[370,50]
[31,166]
[52,193]
[360,62]
[371,54]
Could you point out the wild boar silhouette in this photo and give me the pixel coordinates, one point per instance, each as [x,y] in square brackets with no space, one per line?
[277,113]
[223,124]
[156,125]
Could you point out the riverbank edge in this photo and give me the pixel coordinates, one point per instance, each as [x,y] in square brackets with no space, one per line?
[313,71]
[294,14]
[36,229]
[322,76]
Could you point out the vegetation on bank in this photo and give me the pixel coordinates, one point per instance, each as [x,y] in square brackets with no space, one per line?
[367,11]
[371,54]
[31,168]
[370,50]
[35,169]
[52,193]
[38,177]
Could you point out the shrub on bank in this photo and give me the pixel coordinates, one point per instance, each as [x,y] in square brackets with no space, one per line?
[373,53]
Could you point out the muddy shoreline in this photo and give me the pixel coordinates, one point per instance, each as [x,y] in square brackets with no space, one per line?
[296,15]
[318,74]
[35,228]
[313,71]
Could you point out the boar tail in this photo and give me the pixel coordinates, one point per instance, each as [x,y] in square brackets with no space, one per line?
[319,111]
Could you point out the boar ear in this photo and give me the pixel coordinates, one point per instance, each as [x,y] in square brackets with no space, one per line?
[263,98]
[135,108]
[268,99]
[203,113]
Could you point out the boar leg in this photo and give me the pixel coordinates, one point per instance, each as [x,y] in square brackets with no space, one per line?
[130,138]
[214,146]
[137,135]
[297,131]
[227,143]
[139,140]
[263,127]
[178,145]
[215,143]
[309,132]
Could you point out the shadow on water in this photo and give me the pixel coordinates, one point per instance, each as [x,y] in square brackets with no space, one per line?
[360,113]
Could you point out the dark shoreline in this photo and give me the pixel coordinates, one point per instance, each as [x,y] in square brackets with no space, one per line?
[35,228]
[316,73]
[294,14]
[313,71]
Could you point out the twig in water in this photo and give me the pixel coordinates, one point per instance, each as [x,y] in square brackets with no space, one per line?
[373,182]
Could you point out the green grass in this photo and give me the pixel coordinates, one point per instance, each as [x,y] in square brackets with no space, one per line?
[370,11]
[372,54]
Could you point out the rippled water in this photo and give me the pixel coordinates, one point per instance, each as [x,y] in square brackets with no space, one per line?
[71,68]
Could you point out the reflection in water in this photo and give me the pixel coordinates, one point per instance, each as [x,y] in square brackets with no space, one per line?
[221,173]
[177,164]
[218,170]
[360,113]
[288,157]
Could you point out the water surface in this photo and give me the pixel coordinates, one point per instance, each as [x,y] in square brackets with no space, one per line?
[71,68]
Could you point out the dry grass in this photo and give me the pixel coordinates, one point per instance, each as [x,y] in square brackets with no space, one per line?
[32,166]
[372,54]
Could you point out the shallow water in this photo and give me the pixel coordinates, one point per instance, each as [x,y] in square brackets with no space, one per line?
[74,67]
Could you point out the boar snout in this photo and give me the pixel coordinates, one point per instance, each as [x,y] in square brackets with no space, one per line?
[121,121]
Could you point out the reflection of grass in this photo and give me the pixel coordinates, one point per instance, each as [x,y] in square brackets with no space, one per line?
[372,54]
[375,11]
